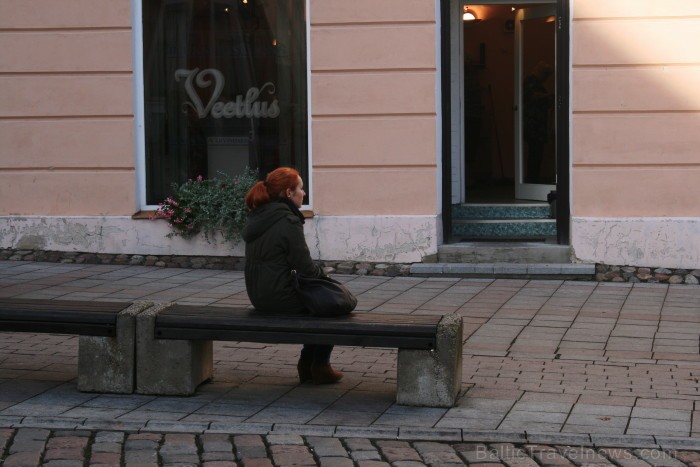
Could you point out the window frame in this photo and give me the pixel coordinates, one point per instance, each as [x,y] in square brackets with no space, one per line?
[139,107]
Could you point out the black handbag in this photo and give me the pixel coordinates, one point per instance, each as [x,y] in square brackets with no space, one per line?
[323,296]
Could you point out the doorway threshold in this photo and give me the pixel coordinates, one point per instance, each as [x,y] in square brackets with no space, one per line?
[510,252]
[567,271]
[505,259]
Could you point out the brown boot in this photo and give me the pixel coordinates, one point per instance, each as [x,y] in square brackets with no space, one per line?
[325,374]
[304,370]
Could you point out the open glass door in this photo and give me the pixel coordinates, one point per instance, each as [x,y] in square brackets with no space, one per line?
[535,114]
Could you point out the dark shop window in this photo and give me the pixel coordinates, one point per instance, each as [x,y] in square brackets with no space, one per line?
[224,89]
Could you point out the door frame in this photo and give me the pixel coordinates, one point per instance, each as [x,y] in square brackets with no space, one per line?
[452,96]
[563,103]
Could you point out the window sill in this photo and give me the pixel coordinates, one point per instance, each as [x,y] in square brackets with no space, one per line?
[143,215]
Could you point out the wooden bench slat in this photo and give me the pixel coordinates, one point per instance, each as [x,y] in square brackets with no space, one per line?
[58,316]
[287,337]
[245,324]
[90,318]
[345,326]
[87,306]
[193,310]
[247,313]
[52,327]
[255,321]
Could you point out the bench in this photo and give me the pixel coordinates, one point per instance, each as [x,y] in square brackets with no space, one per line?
[174,346]
[106,330]
[166,349]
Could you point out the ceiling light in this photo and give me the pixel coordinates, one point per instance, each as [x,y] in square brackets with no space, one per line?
[468,15]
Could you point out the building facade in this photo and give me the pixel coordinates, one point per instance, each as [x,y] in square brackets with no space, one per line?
[397,113]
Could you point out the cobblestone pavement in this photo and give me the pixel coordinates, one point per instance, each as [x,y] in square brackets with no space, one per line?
[32,447]
[545,362]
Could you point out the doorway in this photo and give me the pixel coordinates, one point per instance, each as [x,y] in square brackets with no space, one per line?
[506,113]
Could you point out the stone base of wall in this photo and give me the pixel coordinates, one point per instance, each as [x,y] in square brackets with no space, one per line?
[388,239]
[72,257]
[604,273]
[235,263]
[662,242]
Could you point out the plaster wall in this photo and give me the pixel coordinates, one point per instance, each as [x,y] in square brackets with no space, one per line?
[636,110]
[373,101]
[66,120]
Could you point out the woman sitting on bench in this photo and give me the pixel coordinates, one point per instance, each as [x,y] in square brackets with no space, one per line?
[275,244]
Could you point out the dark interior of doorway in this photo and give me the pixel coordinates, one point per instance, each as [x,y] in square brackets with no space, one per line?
[491,211]
[489,128]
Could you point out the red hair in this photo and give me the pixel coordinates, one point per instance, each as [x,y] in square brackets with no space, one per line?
[275,183]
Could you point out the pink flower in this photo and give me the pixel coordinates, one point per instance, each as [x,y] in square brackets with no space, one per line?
[199,178]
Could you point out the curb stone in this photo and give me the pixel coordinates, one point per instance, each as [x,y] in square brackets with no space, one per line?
[28,446]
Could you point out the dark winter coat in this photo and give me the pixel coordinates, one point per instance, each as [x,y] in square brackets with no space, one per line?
[274,245]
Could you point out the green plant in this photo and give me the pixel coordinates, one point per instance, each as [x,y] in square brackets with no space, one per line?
[208,206]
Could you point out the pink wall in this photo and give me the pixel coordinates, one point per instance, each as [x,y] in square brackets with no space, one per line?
[636,104]
[373,91]
[66,119]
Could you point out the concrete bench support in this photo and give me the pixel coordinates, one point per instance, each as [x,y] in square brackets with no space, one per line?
[433,378]
[169,367]
[107,364]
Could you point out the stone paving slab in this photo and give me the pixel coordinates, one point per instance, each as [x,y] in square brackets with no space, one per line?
[546,362]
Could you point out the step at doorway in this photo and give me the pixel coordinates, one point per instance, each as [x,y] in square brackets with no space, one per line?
[503,222]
